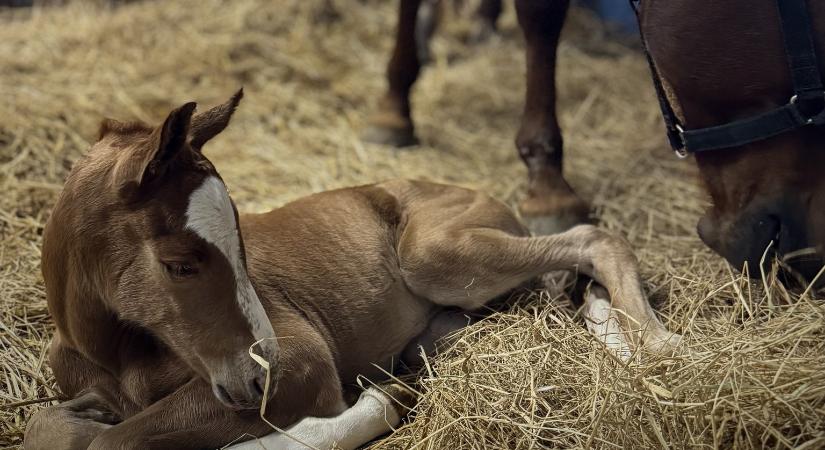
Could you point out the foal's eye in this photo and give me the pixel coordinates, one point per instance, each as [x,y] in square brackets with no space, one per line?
[180,270]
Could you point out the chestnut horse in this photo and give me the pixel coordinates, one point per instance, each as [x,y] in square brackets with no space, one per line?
[718,62]
[159,289]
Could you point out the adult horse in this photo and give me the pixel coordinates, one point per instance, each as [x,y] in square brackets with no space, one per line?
[159,289]
[715,64]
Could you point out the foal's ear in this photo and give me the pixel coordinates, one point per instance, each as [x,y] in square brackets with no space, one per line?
[208,124]
[150,158]
[150,161]
[166,142]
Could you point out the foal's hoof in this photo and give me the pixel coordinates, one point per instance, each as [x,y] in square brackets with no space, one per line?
[404,398]
[665,343]
[389,135]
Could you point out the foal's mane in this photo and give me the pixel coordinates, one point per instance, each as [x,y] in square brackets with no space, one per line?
[112,126]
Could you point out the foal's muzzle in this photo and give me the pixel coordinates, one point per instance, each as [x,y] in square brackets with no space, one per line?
[241,383]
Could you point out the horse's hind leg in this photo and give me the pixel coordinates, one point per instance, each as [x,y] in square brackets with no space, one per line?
[487,13]
[392,123]
[429,16]
[550,205]
[70,425]
[457,265]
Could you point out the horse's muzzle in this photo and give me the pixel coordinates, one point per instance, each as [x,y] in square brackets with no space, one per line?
[760,234]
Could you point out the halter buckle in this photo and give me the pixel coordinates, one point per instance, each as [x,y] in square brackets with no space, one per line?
[681,153]
[805,112]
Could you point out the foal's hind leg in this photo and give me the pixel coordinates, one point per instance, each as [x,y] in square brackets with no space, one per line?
[463,266]
[603,322]
[445,322]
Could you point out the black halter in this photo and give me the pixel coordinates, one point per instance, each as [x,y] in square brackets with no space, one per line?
[805,107]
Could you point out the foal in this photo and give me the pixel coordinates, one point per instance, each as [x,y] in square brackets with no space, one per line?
[158,289]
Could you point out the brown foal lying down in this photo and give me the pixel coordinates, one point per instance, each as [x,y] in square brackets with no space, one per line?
[159,288]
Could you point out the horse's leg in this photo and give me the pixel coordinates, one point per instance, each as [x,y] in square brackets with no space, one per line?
[392,123]
[467,262]
[374,414]
[487,13]
[70,425]
[429,16]
[551,205]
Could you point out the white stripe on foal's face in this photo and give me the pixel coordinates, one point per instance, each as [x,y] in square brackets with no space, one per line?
[210,216]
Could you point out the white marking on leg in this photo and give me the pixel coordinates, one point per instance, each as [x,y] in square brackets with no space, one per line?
[373,415]
[603,322]
[210,216]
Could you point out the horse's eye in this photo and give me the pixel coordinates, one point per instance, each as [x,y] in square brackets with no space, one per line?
[180,270]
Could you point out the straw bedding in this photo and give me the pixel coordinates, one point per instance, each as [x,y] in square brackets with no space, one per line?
[752,375]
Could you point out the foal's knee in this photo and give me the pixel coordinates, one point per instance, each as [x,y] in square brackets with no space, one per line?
[113,441]
[57,428]
[38,431]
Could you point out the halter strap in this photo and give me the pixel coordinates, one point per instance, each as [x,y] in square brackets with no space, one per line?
[805,107]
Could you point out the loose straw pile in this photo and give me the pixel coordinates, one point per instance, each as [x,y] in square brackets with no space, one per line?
[527,377]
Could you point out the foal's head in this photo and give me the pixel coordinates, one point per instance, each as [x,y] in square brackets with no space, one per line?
[159,219]
[724,61]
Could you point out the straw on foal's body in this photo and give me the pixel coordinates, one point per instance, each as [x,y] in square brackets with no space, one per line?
[158,290]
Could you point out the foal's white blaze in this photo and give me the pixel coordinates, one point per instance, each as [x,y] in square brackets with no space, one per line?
[210,216]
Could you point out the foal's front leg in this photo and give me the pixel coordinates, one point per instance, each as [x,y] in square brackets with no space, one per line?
[70,425]
[95,405]
[375,413]
[188,418]
[191,417]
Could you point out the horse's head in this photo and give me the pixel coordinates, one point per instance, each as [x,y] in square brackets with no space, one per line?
[724,61]
[153,221]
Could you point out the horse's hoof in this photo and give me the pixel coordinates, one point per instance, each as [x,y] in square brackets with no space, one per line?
[550,224]
[391,136]
[552,213]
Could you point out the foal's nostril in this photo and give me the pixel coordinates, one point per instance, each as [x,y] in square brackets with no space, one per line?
[258,387]
[223,395]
